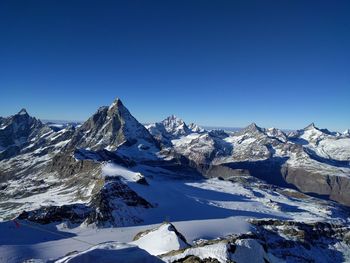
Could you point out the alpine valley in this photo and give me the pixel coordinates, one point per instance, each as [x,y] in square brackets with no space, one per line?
[113,190]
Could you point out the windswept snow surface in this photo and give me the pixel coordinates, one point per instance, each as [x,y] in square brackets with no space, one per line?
[246,251]
[217,251]
[111,169]
[336,149]
[203,209]
[110,253]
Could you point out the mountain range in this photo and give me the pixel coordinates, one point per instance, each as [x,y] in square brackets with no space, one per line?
[112,171]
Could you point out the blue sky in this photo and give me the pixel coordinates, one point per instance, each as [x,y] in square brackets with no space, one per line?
[218,63]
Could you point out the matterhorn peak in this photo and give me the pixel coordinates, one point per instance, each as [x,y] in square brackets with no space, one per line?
[109,128]
[23,111]
[116,104]
[117,109]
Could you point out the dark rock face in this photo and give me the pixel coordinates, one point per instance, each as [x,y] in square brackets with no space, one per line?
[225,171]
[112,203]
[102,155]
[218,133]
[335,187]
[194,259]
[76,213]
[66,166]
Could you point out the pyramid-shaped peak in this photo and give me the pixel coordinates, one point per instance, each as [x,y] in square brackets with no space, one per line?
[118,108]
[253,127]
[310,126]
[116,103]
[109,128]
[23,111]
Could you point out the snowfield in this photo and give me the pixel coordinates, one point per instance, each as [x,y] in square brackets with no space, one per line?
[161,240]
[109,252]
[198,209]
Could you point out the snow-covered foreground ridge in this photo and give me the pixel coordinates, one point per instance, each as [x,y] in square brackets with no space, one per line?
[102,190]
[212,218]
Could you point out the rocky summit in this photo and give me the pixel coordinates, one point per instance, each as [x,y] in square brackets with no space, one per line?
[171,192]
[109,128]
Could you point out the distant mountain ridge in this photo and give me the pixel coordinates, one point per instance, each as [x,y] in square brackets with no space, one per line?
[311,159]
[112,171]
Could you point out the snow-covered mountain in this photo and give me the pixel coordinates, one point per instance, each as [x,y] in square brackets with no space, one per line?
[172,128]
[109,128]
[22,133]
[230,195]
[297,158]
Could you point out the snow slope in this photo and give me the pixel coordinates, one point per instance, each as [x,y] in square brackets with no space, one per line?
[198,209]
[110,253]
[161,240]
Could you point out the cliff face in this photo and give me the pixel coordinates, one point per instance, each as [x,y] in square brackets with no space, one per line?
[337,188]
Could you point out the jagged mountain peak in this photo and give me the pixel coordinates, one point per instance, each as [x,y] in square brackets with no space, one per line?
[102,109]
[21,118]
[173,119]
[253,127]
[109,127]
[23,111]
[116,104]
[18,131]
[311,126]
[277,133]
[168,129]
[195,128]
[175,126]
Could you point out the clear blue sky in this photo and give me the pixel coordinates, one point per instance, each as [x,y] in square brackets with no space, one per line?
[219,63]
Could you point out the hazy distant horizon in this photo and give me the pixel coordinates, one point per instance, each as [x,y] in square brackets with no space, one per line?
[202,126]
